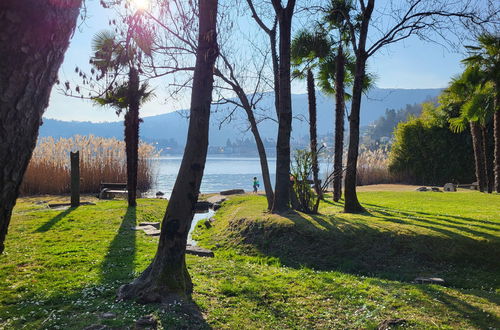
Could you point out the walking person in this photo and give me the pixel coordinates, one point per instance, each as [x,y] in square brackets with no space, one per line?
[255,184]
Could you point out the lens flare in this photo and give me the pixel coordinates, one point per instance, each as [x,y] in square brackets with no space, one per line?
[140,4]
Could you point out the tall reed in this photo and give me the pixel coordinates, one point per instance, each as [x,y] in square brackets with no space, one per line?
[373,167]
[101,160]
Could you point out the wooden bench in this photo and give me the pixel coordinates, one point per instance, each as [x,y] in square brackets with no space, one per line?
[108,190]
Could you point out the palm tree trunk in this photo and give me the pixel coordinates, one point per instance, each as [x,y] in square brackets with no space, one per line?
[488,159]
[311,94]
[496,134]
[282,188]
[339,124]
[34,35]
[478,154]
[166,278]
[132,135]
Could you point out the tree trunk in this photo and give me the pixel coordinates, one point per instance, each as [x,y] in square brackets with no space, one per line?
[496,134]
[275,60]
[488,160]
[351,204]
[167,278]
[34,34]
[339,124]
[282,188]
[266,178]
[132,135]
[478,154]
[311,94]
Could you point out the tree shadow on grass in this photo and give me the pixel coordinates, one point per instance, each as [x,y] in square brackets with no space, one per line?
[118,264]
[49,224]
[365,248]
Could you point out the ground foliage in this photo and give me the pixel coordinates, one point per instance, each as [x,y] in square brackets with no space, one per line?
[61,268]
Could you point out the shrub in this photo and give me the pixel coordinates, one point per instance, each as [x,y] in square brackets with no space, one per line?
[101,160]
[430,154]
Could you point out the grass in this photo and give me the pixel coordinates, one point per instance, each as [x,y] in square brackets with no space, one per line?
[61,268]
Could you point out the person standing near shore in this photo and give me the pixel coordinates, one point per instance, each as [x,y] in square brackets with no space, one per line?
[255,184]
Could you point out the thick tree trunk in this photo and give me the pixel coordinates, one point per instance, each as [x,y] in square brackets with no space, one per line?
[488,160]
[34,34]
[275,60]
[339,124]
[167,278]
[132,135]
[351,204]
[282,187]
[477,144]
[311,94]
[496,134]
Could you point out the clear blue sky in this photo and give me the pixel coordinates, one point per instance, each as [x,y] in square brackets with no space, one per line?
[408,64]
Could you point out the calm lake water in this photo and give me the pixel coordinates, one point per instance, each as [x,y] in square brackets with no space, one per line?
[221,173]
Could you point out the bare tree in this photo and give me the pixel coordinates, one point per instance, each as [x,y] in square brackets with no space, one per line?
[399,20]
[34,35]
[167,278]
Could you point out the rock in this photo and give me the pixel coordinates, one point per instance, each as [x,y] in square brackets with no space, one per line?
[212,219]
[202,207]
[96,327]
[149,230]
[449,187]
[216,206]
[147,321]
[232,192]
[154,224]
[199,251]
[108,315]
[436,189]
[429,280]
[216,199]
[422,189]
[160,194]
[389,324]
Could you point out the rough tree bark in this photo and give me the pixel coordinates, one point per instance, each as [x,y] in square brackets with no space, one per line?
[311,95]
[34,34]
[496,135]
[479,158]
[282,187]
[167,278]
[488,159]
[339,124]
[132,135]
[352,204]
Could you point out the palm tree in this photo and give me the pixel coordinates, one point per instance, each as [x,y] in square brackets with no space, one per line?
[474,102]
[112,57]
[308,50]
[486,58]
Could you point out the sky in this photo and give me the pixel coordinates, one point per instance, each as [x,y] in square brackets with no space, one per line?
[409,64]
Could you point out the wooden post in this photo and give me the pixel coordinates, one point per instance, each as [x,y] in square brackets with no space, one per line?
[75,178]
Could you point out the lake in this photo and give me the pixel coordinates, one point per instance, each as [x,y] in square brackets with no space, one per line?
[221,173]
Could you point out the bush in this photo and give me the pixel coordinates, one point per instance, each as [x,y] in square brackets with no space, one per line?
[428,153]
[101,160]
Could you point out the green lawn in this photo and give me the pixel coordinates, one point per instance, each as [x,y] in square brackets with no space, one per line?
[61,268]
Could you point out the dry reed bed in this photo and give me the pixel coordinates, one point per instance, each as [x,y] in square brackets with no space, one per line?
[101,160]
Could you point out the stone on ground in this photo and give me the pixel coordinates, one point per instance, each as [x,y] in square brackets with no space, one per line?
[232,192]
[429,280]
[199,251]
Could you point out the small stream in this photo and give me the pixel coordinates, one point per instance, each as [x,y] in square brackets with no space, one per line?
[197,218]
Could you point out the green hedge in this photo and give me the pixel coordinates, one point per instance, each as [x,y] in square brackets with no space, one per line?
[429,154]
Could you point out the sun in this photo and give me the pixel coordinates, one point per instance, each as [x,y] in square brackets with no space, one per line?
[140,4]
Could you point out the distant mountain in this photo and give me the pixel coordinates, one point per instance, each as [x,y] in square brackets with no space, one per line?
[173,126]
